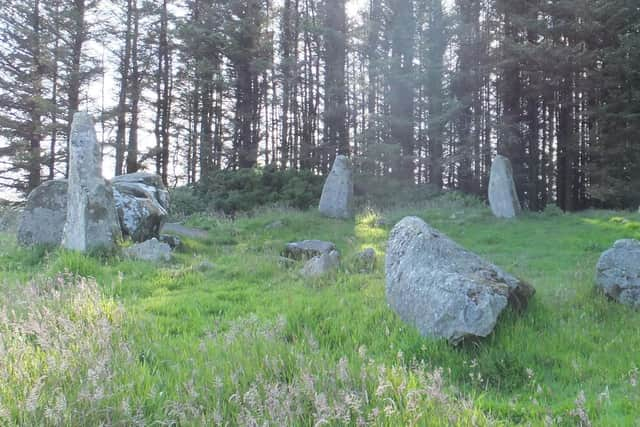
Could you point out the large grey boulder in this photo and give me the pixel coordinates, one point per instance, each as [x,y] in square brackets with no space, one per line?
[92,219]
[336,200]
[618,272]
[308,249]
[150,250]
[444,290]
[142,202]
[321,264]
[503,197]
[148,182]
[45,212]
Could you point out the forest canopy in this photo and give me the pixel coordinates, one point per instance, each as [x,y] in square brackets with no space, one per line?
[423,91]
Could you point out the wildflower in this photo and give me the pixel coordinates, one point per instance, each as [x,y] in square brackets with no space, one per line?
[362,351]
[32,399]
[125,407]
[529,373]
[343,369]
[603,397]
[390,408]
[580,410]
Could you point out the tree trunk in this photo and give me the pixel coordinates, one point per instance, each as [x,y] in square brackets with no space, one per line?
[132,147]
[79,36]
[35,110]
[401,85]
[336,139]
[122,98]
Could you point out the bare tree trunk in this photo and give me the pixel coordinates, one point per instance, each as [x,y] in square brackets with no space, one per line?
[401,88]
[54,92]
[122,98]
[79,36]
[336,138]
[35,110]
[164,92]
[288,47]
[132,147]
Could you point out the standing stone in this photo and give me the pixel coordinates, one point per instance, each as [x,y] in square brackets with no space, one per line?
[44,214]
[92,220]
[503,197]
[337,194]
[444,290]
[618,272]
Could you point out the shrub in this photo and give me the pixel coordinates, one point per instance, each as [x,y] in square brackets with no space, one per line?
[244,190]
[383,192]
[552,210]
[185,202]
[247,189]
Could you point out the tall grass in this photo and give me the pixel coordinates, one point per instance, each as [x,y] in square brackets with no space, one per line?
[248,342]
[58,352]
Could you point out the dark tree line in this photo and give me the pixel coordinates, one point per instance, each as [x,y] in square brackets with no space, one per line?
[417,90]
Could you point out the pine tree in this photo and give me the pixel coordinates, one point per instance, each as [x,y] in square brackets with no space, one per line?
[436,41]
[335,115]
[401,86]
[24,103]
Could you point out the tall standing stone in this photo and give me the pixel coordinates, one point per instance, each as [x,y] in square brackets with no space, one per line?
[92,219]
[337,194]
[503,197]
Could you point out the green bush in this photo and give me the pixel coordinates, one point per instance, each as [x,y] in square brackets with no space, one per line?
[246,189]
[185,202]
[552,210]
[384,191]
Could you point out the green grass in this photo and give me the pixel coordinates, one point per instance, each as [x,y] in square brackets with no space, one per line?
[250,340]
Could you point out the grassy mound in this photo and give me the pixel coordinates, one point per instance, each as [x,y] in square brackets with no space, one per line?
[249,342]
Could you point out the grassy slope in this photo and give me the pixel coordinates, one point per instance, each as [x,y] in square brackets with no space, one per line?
[183,327]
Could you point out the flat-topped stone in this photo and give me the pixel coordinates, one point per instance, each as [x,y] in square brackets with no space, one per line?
[150,250]
[182,230]
[308,249]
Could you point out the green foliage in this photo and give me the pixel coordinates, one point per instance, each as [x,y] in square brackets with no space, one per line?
[232,192]
[248,340]
[552,210]
[246,189]
[385,192]
[75,263]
